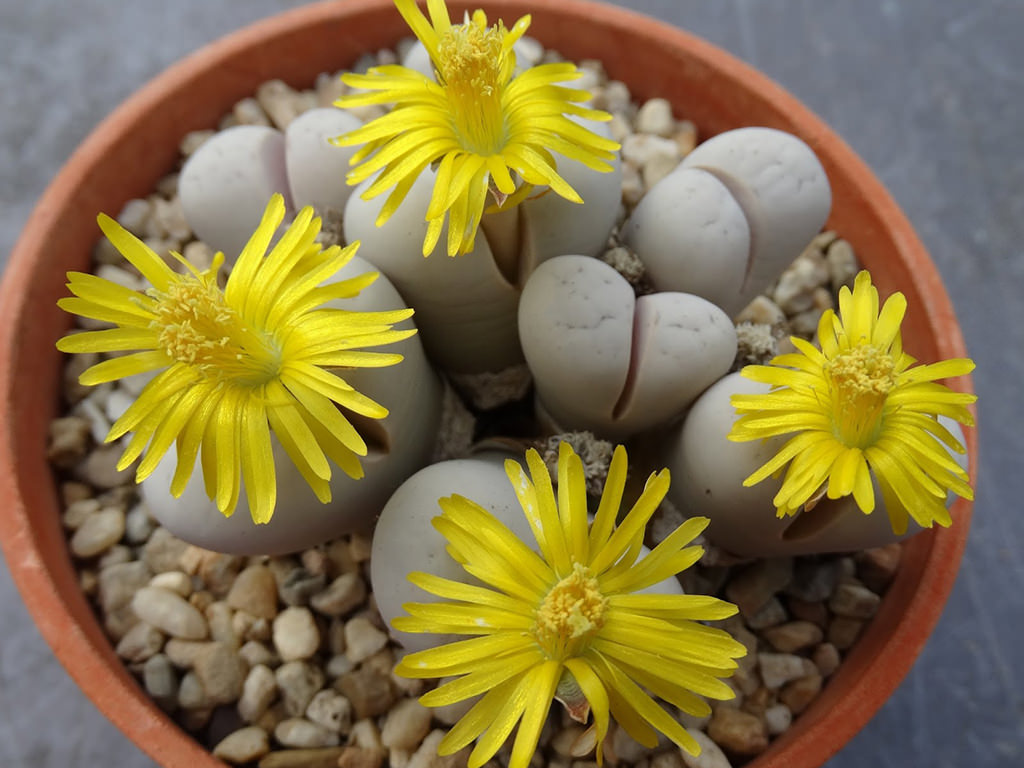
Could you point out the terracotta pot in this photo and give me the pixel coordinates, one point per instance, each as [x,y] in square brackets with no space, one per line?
[134,147]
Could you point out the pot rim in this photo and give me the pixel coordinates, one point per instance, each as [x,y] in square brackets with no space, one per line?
[909,610]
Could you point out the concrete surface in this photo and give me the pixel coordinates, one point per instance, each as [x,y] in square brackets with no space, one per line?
[929,92]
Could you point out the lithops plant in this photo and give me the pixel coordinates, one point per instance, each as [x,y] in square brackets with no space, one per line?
[405,541]
[708,471]
[608,361]
[226,183]
[736,212]
[399,444]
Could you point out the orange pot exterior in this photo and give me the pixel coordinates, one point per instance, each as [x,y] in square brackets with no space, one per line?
[137,144]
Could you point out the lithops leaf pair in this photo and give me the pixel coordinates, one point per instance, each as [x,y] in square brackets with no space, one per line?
[708,471]
[735,213]
[606,360]
[225,185]
[398,445]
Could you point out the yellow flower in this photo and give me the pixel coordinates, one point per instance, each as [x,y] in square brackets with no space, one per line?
[486,130]
[859,406]
[567,622]
[235,363]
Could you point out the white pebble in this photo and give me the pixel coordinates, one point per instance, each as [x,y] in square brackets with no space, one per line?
[362,639]
[169,612]
[100,531]
[295,634]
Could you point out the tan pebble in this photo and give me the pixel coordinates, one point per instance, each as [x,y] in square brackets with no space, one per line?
[343,595]
[671,759]
[426,756]
[815,613]
[331,710]
[193,140]
[793,636]
[768,615]
[298,681]
[78,512]
[68,441]
[339,665]
[115,555]
[140,643]
[243,746]
[183,652]
[328,89]
[99,467]
[398,758]
[278,100]
[219,571]
[657,168]
[361,757]
[221,671]
[168,186]
[316,561]
[295,634]
[711,755]
[249,112]
[340,555]
[325,757]
[632,185]
[138,525]
[219,617]
[738,732]
[359,548]
[617,96]
[201,600]
[134,216]
[255,652]
[758,700]
[762,311]
[798,694]
[362,639]
[876,567]
[366,734]
[655,116]
[405,725]
[369,692]
[843,632]
[173,581]
[745,680]
[170,613]
[258,692]
[777,719]
[854,601]
[638,149]
[755,584]
[162,551]
[161,681]
[299,585]
[72,491]
[685,137]
[271,717]
[199,254]
[777,669]
[619,127]
[826,658]
[88,581]
[119,583]
[842,263]
[191,694]
[299,732]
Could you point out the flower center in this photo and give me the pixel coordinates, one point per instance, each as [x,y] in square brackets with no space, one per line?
[570,613]
[196,326]
[472,71]
[861,380]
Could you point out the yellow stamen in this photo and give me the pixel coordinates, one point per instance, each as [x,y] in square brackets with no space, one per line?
[470,66]
[196,326]
[570,613]
[861,379]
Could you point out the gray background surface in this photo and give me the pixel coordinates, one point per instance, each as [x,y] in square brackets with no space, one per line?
[929,92]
